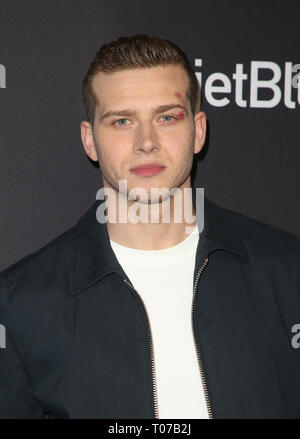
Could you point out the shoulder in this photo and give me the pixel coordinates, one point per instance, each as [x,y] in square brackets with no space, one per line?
[262,233]
[35,292]
[263,240]
[37,273]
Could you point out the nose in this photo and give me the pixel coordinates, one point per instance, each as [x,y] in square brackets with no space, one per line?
[146,140]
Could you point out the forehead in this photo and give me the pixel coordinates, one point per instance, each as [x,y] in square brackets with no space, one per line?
[144,84]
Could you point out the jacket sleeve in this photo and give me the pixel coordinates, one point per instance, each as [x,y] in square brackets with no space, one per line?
[17,399]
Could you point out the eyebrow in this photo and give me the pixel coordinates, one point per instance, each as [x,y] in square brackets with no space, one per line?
[130,112]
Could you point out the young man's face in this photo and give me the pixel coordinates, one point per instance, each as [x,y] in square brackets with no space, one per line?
[141,129]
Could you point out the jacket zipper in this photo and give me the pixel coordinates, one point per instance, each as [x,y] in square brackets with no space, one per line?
[207,400]
[208,404]
[151,350]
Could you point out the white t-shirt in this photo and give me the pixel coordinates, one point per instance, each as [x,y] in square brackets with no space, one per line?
[164,279]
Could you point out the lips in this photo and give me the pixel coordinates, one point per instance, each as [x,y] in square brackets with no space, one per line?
[147,169]
[147,166]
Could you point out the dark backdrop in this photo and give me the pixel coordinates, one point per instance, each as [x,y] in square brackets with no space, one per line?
[251,161]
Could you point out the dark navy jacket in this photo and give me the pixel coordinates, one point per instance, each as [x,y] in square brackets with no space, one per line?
[78,337]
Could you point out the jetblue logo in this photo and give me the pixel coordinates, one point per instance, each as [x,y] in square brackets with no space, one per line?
[2,76]
[221,90]
[2,336]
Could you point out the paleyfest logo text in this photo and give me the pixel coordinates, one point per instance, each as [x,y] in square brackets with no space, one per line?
[218,87]
[144,209]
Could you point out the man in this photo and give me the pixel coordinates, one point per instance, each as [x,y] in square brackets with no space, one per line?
[143,318]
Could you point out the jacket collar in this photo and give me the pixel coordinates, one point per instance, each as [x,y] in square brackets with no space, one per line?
[93,257]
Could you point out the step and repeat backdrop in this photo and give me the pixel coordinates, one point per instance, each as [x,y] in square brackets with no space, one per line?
[246,55]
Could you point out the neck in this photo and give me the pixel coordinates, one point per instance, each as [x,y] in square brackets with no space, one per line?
[152,226]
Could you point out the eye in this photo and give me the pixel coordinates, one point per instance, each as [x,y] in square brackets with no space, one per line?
[120,120]
[170,118]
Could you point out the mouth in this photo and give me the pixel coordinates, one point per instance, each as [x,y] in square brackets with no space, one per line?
[148,169]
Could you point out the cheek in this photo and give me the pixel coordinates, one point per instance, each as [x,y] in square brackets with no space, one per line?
[181,150]
[114,156]
[113,146]
[179,142]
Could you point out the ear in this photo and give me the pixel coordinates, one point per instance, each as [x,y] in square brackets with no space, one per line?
[88,140]
[200,131]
